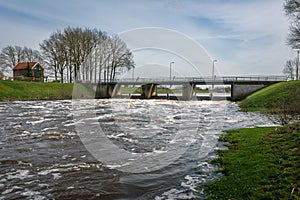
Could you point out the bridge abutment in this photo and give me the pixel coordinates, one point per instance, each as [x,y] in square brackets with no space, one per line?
[240,91]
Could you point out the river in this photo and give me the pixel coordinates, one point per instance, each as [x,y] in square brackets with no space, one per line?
[162,148]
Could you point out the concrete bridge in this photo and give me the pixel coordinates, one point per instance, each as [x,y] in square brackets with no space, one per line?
[241,86]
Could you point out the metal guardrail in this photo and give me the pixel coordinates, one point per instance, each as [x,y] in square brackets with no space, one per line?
[271,78]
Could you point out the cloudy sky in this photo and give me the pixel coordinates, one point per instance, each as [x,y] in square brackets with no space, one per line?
[246,37]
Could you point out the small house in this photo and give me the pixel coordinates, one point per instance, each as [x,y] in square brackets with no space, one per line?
[28,71]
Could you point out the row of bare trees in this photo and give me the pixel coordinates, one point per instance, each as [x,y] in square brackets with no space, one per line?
[76,54]
[86,54]
[10,56]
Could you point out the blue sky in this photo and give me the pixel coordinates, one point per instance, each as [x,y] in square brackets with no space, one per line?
[246,37]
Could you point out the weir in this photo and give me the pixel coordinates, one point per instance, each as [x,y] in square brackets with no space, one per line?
[188,90]
[149,91]
[106,90]
[241,87]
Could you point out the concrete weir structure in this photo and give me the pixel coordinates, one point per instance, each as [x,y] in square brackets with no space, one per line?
[149,91]
[241,87]
[106,90]
[188,90]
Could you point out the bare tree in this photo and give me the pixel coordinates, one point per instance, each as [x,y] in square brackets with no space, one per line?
[89,55]
[9,57]
[1,75]
[110,57]
[292,10]
[57,56]
[285,110]
[289,69]
[79,43]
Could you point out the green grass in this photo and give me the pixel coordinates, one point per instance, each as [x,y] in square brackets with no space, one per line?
[266,98]
[261,163]
[21,90]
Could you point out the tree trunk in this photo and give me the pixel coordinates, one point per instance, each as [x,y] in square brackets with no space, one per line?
[62,76]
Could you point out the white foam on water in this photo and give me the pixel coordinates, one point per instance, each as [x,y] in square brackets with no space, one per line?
[36,107]
[3,180]
[33,194]
[48,171]
[56,176]
[175,194]
[49,128]
[38,121]
[66,156]
[19,174]
[7,191]
[43,185]
[24,163]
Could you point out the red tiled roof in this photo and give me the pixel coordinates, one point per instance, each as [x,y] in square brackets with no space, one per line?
[24,65]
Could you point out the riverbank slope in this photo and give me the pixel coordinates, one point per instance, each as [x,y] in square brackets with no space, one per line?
[266,98]
[261,163]
[20,90]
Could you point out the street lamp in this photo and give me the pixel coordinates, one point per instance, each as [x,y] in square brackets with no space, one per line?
[132,73]
[213,73]
[133,76]
[212,78]
[297,65]
[171,72]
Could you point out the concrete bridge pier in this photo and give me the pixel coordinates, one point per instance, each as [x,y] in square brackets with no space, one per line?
[106,90]
[149,91]
[188,91]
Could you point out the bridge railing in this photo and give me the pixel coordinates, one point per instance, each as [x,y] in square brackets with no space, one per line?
[204,79]
[254,78]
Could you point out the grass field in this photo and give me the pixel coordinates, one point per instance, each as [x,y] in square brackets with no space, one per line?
[19,90]
[261,163]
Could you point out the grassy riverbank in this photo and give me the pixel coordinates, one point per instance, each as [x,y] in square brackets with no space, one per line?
[261,163]
[19,90]
[267,98]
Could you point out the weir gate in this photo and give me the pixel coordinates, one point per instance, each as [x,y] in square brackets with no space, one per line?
[240,87]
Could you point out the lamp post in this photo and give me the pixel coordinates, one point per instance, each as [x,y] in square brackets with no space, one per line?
[171,72]
[213,73]
[132,73]
[212,78]
[297,65]
[133,76]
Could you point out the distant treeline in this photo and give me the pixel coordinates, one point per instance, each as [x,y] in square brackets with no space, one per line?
[75,54]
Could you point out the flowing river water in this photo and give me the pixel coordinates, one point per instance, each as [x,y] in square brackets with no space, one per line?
[45,151]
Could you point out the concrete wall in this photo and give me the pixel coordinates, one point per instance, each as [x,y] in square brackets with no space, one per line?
[241,91]
[149,91]
[106,90]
